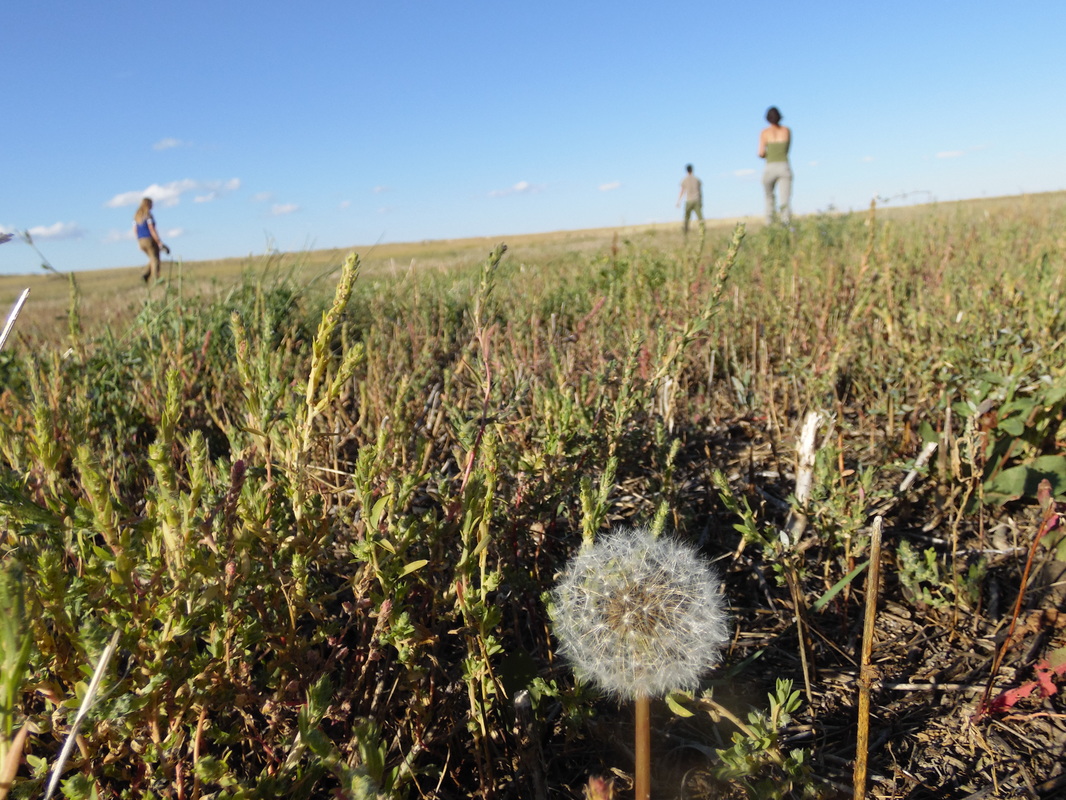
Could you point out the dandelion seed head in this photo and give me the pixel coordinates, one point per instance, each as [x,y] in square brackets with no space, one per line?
[640,615]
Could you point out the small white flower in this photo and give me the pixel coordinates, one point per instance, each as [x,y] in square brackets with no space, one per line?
[640,615]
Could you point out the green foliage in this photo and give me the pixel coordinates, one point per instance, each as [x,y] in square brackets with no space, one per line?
[757,761]
[323,522]
[924,583]
[15,642]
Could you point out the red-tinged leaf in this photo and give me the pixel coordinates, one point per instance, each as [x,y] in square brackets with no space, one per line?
[1010,698]
[1043,677]
[1045,673]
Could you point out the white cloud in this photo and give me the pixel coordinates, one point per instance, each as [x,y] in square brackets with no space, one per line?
[173,233]
[119,236]
[170,194]
[281,209]
[168,143]
[610,187]
[812,163]
[380,189]
[218,190]
[867,159]
[57,230]
[743,173]
[166,195]
[522,187]
[262,197]
[345,203]
[949,154]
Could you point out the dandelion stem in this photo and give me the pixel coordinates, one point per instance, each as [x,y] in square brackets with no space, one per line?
[642,771]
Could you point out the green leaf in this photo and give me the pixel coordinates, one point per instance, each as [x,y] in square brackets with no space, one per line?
[1024,480]
[377,511]
[414,566]
[210,769]
[834,590]
[79,787]
[928,434]
[675,705]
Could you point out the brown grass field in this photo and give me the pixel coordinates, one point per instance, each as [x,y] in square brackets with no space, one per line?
[325,533]
[112,296]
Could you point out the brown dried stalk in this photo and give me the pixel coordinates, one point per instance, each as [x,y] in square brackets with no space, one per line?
[866,671]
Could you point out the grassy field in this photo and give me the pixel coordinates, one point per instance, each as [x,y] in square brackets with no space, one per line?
[308,512]
[115,295]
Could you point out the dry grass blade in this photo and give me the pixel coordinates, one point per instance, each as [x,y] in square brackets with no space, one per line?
[83,710]
[921,461]
[10,764]
[15,311]
[795,526]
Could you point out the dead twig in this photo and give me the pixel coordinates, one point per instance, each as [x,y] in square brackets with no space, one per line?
[866,670]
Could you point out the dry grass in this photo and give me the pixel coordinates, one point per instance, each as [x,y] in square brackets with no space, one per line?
[113,296]
[382,506]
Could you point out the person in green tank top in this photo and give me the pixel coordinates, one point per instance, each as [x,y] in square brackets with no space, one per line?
[693,189]
[774,142]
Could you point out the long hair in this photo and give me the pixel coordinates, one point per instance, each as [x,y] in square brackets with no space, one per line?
[143,210]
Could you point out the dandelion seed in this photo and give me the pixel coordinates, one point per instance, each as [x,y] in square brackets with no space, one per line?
[640,615]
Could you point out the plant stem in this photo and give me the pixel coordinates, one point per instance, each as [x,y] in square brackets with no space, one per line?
[642,771]
[866,672]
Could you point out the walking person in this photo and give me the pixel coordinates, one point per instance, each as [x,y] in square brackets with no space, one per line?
[774,142]
[692,188]
[148,239]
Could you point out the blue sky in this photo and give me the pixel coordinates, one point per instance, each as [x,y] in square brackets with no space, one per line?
[333,124]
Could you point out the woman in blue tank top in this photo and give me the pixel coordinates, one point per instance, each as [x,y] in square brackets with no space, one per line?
[148,238]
